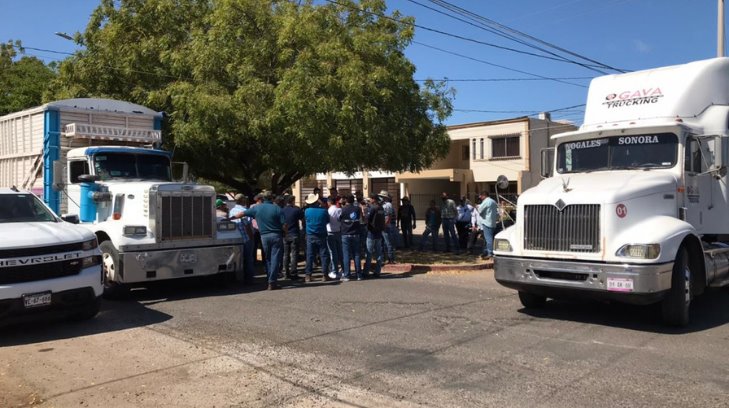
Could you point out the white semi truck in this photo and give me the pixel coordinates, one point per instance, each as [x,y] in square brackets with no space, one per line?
[100,159]
[635,207]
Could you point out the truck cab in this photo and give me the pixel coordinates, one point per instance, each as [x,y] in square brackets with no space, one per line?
[634,208]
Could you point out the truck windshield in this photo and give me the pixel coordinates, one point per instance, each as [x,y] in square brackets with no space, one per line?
[110,166]
[23,208]
[646,151]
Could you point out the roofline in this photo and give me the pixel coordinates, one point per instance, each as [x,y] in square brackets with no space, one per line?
[490,123]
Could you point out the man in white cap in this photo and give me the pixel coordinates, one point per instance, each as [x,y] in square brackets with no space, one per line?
[389,237]
[316,219]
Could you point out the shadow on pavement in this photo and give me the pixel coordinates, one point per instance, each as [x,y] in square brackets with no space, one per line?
[113,316]
[708,311]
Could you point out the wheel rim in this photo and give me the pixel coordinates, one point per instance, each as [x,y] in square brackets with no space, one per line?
[108,262]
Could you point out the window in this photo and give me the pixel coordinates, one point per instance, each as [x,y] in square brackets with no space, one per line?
[76,169]
[482,149]
[464,152]
[505,147]
[473,149]
[692,162]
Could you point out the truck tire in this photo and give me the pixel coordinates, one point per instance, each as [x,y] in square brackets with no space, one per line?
[676,303]
[532,301]
[110,262]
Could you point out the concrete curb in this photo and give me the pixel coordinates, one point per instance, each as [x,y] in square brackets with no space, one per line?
[420,268]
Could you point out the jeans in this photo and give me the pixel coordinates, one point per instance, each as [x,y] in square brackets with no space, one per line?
[389,236]
[449,234]
[291,254]
[432,231]
[350,249]
[407,233]
[249,258]
[273,248]
[374,247]
[316,244]
[488,236]
[463,228]
[334,243]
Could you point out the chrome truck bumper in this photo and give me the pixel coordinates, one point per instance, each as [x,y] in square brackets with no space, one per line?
[629,283]
[145,266]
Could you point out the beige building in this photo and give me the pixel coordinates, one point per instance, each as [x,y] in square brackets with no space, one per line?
[479,154]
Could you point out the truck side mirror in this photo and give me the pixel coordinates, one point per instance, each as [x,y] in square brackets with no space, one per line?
[72,218]
[547,162]
[58,170]
[88,178]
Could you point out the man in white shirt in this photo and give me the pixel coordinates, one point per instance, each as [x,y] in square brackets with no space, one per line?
[334,236]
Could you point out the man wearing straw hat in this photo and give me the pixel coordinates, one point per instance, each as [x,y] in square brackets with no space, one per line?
[316,219]
[389,237]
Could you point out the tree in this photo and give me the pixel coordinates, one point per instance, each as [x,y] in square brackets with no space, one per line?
[261,93]
[22,80]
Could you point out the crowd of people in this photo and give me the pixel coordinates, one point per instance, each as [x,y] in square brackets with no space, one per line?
[338,232]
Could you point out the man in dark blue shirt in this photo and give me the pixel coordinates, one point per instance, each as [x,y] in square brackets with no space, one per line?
[375,228]
[316,219]
[350,225]
[293,215]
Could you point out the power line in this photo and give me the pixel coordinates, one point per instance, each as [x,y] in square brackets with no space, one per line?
[497,65]
[460,37]
[556,57]
[500,26]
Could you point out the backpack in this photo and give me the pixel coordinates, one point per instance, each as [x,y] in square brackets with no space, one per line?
[377,221]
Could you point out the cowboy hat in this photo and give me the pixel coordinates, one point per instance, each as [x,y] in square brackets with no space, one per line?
[312,198]
[384,193]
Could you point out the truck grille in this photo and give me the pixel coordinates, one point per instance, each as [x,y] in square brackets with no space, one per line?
[188,216]
[36,272]
[574,229]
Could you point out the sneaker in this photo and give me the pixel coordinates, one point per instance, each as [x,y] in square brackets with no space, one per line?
[345,279]
[307,278]
[273,286]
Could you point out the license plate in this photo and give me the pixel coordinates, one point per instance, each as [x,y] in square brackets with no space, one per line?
[37,299]
[188,258]
[620,284]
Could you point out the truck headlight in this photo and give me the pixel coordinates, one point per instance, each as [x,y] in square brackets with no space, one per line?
[90,244]
[502,245]
[90,261]
[227,226]
[135,230]
[640,251]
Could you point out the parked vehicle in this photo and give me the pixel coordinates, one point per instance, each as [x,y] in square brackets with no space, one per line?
[636,208]
[101,159]
[45,263]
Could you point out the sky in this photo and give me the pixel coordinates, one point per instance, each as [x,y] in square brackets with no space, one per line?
[490,82]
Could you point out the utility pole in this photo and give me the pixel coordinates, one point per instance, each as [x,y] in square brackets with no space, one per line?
[720,29]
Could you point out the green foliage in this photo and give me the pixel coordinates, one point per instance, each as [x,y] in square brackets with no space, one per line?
[262,92]
[22,80]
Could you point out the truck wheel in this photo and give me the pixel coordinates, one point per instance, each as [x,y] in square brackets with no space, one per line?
[532,301]
[675,305]
[110,261]
[88,311]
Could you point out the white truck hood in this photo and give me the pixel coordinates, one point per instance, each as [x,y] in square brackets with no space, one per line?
[31,234]
[604,187]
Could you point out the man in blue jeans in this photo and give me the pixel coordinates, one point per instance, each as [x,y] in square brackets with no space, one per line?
[272,225]
[316,219]
[489,212]
[350,223]
[375,228]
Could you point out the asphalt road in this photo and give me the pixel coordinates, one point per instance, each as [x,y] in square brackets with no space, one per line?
[439,339]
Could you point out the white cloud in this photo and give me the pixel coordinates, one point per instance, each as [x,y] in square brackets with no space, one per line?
[641,46]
